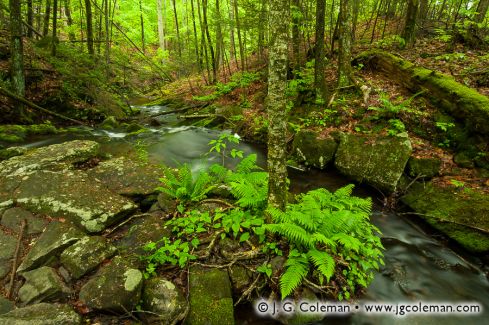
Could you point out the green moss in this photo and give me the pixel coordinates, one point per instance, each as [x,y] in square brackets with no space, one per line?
[12,133]
[427,167]
[473,240]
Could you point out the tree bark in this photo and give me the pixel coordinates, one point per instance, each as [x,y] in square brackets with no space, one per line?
[296,38]
[69,19]
[345,73]
[30,18]
[47,15]
[319,80]
[179,44]
[161,26]
[240,40]
[219,41]
[142,26]
[276,107]
[232,26]
[409,33]
[196,39]
[17,54]
[88,10]
[209,40]
[481,11]
[55,28]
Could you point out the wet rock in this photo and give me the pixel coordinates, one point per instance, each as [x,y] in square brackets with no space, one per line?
[109,123]
[53,241]
[459,213]
[116,287]
[12,133]
[71,194]
[42,284]
[241,278]
[211,301]
[56,156]
[12,152]
[7,250]
[314,151]
[463,160]
[378,161]
[5,305]
[165,202]
[41,314]
[423,167]
[164,299]
[85,255]
[127,177]
[134,127]
[12,218]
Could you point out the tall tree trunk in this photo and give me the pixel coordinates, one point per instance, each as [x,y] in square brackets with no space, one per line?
[47,15]
[345,73]
[17,54]
[276,108]
[142,26]
[30,18]
[355,9]
[179,49]
[88,10]
[55,28]
[481,11]
[69,19]
[219,41]
[196,39]
[107,36]
[232,26]
[319,80]
[262,29]
[240,40]
[409,33]
[204,45]
[209,40]
[423,12]
[296,38]
[161,26]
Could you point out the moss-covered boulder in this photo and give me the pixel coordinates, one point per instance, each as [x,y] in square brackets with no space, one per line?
[13,217]
[116,287]
[12,152]
[42,285]
[85,255]
[377,161]
[109,123]
[313,150]
[5,305]
[18,133]
[7,250]
[164,300]
[41,314]
[461,214]
[210,297]
[423,167]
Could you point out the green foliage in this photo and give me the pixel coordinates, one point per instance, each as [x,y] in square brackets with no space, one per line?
[221,144]
[238,80]
[395,127]
[325,226]
[444,126]
[172,252]
[390,110]
[391,41]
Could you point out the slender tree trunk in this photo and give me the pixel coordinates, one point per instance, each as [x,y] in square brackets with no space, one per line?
[423,12]
[196,39]
[296,36]
[409,33]
[179,44]
[319,80]
[17,54]
[482,8]
[47,15]
[276,108]
[240,40]
[55,29]
[209,40]
[219,44]
[142,26]
[88,10]
[107,37]
[345,73]
[356,9]
[30,18]
[204,45]
[232,26]
[69,19]
[161,26]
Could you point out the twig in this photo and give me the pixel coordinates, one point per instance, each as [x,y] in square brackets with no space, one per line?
[16,257]
[218,201]
[326,289]
[216,266]
[197,116]
[247,255]
[211,245]
[110,231]
[249,290]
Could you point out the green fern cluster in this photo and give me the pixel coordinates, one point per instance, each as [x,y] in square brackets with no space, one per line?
[325,227]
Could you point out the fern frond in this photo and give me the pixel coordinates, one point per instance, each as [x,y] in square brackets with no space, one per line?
[296,270]
[349,242]
[323,262]
[247,164]
[295,234]
[345,191]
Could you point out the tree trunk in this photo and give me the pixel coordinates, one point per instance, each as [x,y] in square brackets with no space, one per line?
[196,39]
[47,15]
[409,33]
[209,40]
[276,107]
[69,19]
[319,80]
[219,44]
[232,26]
[161,26]
[204,46]
[296,38]
[30,18]
[17,54]
[240,40]
[423,12]
[481,11]
[345,73]
[88,9]
[55,28]
[142,26]
[107,36]
[179,49]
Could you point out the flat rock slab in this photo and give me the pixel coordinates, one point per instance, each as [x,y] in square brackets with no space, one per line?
[127,177]
[377,161]
[462,214]
[312,150]
[56,156]
[7,250]
[211,299]
[42,284]
[85,255]
[71,194]
[52,242]
[116,287]
[5,305]
[12,219]
[41,314]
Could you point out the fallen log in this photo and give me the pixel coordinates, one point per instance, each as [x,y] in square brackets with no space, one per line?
[459,101]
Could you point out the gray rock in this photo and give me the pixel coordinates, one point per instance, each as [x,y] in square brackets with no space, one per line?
[116,287]
[163,298]
[378,161]
[109,123]
[7,250]
[56,156]
[241,278]
[211,300]
[85,255]
[42,284]
[314,151]
[423,167]
[12,218]
[41,314]
[53,241]
[127,177]
[5,305]
[71,194]
[12,152]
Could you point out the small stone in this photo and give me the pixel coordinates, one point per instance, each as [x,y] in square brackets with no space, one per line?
[164,299]
[41,314]
[85,255]
[13,217]
[42,284]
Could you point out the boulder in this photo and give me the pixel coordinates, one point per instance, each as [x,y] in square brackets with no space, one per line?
[109,123]
[12,133]
[127,177]
[241,278]
[8,244]
[116,287]
[210,297]
[5,305]
[41,314]
[162,298]
[42,284]
[423,167]
[312,150]
[12,219]
[461,214]
[86,254]
[12,152]
[53,241]
[378,161]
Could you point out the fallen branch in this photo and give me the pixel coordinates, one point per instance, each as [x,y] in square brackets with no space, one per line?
[10,94]
[180,110]
[218,201]
[211,245]
[197,116]
[110,231]
[248,291]
[16,257]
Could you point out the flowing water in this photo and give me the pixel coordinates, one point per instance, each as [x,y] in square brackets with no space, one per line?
[418,267]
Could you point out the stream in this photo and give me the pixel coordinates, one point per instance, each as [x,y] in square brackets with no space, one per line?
[418,267]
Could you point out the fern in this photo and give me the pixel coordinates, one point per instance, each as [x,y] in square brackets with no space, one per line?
[297,267]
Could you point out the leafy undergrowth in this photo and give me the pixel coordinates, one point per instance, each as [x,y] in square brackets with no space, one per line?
[325,240]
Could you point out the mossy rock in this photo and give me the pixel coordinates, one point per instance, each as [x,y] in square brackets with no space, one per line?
[464,160]
[41,314]
[312,150]
[109,123]
[12,133]
[12,152]
[423,167]
[134,127]
[461,214]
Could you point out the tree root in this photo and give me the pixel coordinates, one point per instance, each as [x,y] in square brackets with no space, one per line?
[16,257]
